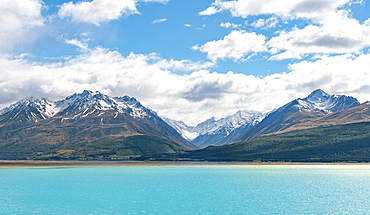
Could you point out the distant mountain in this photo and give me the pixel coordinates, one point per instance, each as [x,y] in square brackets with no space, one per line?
[215,132]
[355,114]
[348,142]
[246,125]
[318,128]
[316,105]
[39,125]
[186,131]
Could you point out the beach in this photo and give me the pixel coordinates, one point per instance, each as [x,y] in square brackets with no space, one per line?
[39,163]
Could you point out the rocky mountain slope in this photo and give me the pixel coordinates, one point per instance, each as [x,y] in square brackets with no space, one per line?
[38,125]
[355,114]
[348,143]
[316,105]
[251,124]
[214,132]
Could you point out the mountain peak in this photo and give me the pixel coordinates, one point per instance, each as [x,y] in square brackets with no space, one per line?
[85,102]
[320,100]
[76,106]
[318,96]
[29,109]
[90,93]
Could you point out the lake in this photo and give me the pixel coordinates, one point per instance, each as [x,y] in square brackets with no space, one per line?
[224,189]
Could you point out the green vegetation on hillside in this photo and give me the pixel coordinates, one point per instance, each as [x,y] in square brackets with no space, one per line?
[338,143]
[122,148]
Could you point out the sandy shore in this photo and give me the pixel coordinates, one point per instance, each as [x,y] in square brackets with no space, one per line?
[35,163]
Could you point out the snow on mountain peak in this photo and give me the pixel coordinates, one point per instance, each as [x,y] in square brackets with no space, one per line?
[79,105]
[86,101]
[230,123]
[43,105]
[29,109]
[133,106]
[223,126]
[318,96]
[320,100]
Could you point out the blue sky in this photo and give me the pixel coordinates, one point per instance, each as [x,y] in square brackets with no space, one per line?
[187,60]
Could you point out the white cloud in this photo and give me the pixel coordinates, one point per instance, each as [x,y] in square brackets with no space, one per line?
[17,17]
[159,21]
[190,97]
[327,37]
[300,8]
[236,45]
[183,65]
[159,1]
[265,23]
[367,22]
[83,46]
[229,25]
[98,11]
[329,29]
[209,11]
[187,25]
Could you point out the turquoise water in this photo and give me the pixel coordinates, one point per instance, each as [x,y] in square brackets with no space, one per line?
[186,190]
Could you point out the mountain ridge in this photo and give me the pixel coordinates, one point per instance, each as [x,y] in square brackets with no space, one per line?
[83,121]
[212,131]
[79,120]
[316,105]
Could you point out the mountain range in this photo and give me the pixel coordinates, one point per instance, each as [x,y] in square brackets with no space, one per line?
[216,132]
[317,104]
[91,125]
[43,128]
[318,128]
[246,125]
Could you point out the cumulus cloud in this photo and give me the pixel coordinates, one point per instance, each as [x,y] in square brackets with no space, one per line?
[100,11]
[236,45]
[16,18]
[299,8]
[322,34]
[328,37]
[191,97]
[97,11]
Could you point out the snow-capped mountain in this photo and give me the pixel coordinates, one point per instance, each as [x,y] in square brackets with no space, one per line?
[217,132]
[186,131]
[89,102]
[32,125]
[247,125]
[28,110]
[132,106]
[212,131]
[230,123]
[317,104]
[74,106]
[320,100]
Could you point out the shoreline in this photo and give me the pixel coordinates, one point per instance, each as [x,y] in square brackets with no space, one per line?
[37,163]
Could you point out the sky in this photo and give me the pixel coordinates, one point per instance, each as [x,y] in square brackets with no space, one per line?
[187,60]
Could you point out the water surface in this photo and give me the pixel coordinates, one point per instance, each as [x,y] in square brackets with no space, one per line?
[253,189]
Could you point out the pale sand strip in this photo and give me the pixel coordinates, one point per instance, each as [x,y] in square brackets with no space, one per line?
[36,163]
